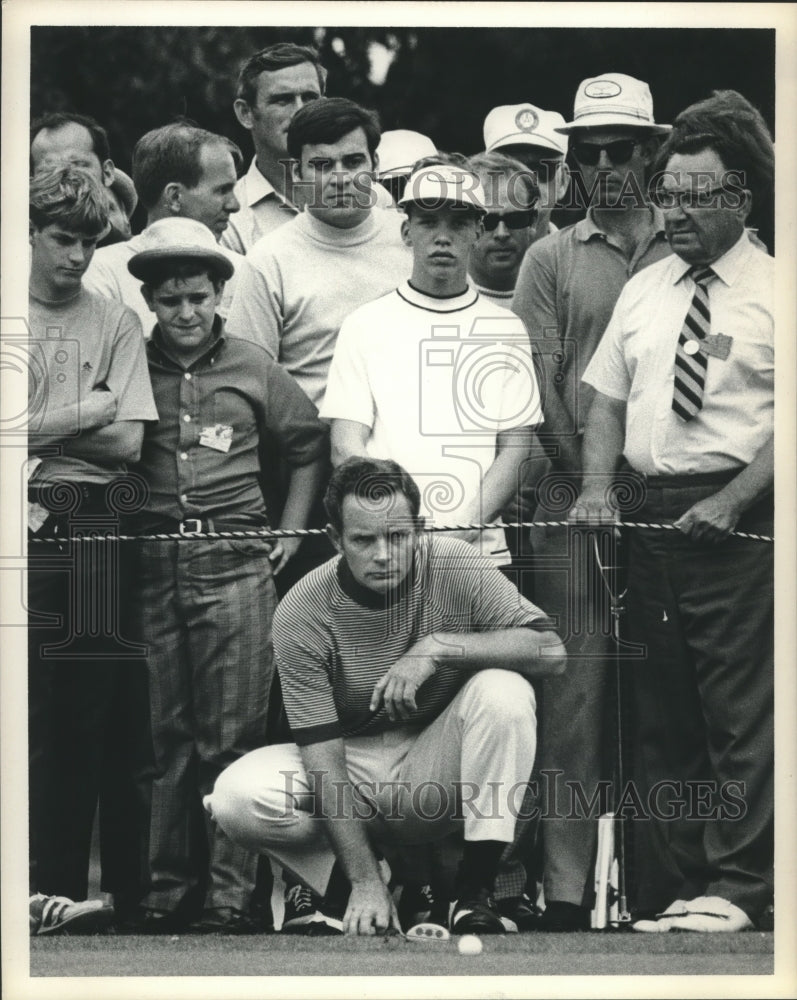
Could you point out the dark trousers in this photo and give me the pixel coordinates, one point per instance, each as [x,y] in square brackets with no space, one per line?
[88,727]
[704,704]
[204,609]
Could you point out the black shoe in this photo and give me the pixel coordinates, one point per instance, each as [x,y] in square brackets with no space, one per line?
[563,917]
[476,913]
[304,914]
[226,920]
[152,922]
[415,905]
[521,911]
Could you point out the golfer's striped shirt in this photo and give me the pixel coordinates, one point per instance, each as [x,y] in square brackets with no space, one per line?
[333,639]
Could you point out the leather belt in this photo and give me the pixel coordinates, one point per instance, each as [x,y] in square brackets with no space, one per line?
[198,525]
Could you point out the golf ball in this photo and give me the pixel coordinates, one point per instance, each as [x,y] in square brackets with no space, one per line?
[469,944]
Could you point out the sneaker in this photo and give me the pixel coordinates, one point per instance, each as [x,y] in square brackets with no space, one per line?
[705,915]
[304,914]
[520,911]
[477,914]
[60,915]
[560,917]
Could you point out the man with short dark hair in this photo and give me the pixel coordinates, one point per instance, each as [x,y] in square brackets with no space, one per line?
[299,283]
[183,171]
[683,381]
[405,665]
[273,85]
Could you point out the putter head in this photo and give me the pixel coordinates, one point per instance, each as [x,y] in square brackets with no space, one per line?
[428,932]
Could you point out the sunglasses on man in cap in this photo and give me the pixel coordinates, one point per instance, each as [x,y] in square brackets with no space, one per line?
[512,220]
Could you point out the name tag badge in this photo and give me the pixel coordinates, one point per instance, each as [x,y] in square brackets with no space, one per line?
[218,437]
[717,345]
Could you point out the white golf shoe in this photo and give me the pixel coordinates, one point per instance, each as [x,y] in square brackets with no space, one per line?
[705,915]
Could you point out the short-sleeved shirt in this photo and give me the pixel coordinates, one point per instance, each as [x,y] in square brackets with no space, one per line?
[84,343]
[635,362]
[202,457]
[334,639]
[263,209]
[436,380]
[108,275]
[567,286]
[298,284]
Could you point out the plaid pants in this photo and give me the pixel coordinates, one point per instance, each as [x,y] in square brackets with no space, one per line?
[204,610]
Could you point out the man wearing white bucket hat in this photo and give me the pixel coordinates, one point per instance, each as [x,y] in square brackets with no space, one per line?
[684,393]
[566,290]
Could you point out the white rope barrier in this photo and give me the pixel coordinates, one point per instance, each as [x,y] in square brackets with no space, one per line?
[274,534]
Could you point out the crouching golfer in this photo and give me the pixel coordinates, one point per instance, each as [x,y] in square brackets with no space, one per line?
[405,663]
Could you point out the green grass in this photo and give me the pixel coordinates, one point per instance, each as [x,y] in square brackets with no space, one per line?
[516,955]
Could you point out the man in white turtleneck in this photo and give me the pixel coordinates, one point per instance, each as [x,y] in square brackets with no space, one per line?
[299,283]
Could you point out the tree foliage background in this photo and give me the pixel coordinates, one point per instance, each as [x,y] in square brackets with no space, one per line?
[440,81]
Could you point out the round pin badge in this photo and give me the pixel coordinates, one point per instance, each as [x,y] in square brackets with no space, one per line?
[526,120]
[691,347]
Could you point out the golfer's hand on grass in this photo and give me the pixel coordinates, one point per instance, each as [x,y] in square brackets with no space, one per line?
[398,687]
[371,910]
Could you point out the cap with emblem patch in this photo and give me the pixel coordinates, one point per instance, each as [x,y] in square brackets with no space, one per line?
[432,187]
[523,124]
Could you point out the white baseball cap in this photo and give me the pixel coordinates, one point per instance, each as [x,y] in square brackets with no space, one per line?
[168,239]
[399,149]
[431,187]
[613,99]
[523,124]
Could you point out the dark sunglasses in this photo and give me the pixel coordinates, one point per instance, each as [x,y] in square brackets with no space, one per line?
[618,152]
[512,220]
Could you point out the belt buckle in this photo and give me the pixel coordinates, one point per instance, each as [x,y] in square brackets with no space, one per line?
[186,530]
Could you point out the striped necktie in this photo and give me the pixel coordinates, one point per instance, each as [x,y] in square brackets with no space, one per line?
[690,362]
